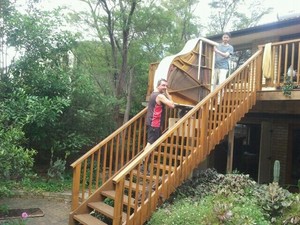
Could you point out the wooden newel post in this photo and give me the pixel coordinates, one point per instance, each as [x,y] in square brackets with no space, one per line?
[118,203]
[75,187]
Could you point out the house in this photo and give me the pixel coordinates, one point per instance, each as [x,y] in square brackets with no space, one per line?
[271,129]
[247,122]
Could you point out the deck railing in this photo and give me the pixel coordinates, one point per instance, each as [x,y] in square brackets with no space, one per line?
[284,64]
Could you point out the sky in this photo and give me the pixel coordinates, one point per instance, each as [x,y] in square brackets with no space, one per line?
[281,7]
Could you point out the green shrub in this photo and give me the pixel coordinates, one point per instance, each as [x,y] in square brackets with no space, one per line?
[273,199]
[40,184]
[15,161]
[182,212]
[57,169]
[200,185]
[5,191]
[291,214]
[210,210]
[234,199]
[239,184]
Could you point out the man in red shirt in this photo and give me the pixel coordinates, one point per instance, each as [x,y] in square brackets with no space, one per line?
[159,98]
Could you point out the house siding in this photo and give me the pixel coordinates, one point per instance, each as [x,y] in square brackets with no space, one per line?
[279,146]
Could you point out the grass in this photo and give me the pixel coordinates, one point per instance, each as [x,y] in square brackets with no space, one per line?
[35,184]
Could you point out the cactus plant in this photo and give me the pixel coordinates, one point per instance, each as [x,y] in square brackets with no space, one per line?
[276,171]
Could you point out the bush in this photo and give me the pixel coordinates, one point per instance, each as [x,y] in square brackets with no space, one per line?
[274,200]
[291,215]
[202,184]
[5,191]
[233,199]
[15,161]
[183,211]
[210,210]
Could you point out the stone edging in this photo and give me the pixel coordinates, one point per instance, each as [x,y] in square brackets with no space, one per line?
[60,196]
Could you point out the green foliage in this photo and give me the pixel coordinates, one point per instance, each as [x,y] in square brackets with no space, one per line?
[273,199]
[14,222]
[239,184]
[4,191]
[201,184]
[16,162]
[230,15]
[55,107]
[40,184]
[35,184]
[287,87]
[183,211]
[210,210]
[19,221]
[234,200]
[4,209]
[57,169]
[109,201]
[291,214]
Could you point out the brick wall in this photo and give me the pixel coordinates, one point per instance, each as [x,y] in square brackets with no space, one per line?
[279,146]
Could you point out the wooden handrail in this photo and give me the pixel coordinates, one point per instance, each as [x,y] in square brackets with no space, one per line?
[108,138]
[281,43]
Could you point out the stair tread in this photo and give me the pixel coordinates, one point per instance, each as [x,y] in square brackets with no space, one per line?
[105,209]
[173,156]
[135,172]
[87,219]
[185,147]
[133,185]
[161,166]
[112,194]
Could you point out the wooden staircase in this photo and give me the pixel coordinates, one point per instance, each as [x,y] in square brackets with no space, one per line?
[112,184]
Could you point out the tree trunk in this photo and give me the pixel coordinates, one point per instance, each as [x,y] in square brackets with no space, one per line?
[128,102]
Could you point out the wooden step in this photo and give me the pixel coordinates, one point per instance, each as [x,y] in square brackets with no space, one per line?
[112,194]
[148,177]
[167,167]
[87,219]
[105,209]
[185,147]
[173,156]
[133,185]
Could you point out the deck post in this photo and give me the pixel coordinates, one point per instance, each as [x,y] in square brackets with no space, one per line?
[230,151]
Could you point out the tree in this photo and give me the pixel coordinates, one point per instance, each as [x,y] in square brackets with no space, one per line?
[229,15]
[132,34]
[57,109]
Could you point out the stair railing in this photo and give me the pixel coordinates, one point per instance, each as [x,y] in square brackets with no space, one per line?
[105,159]
[172,158]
